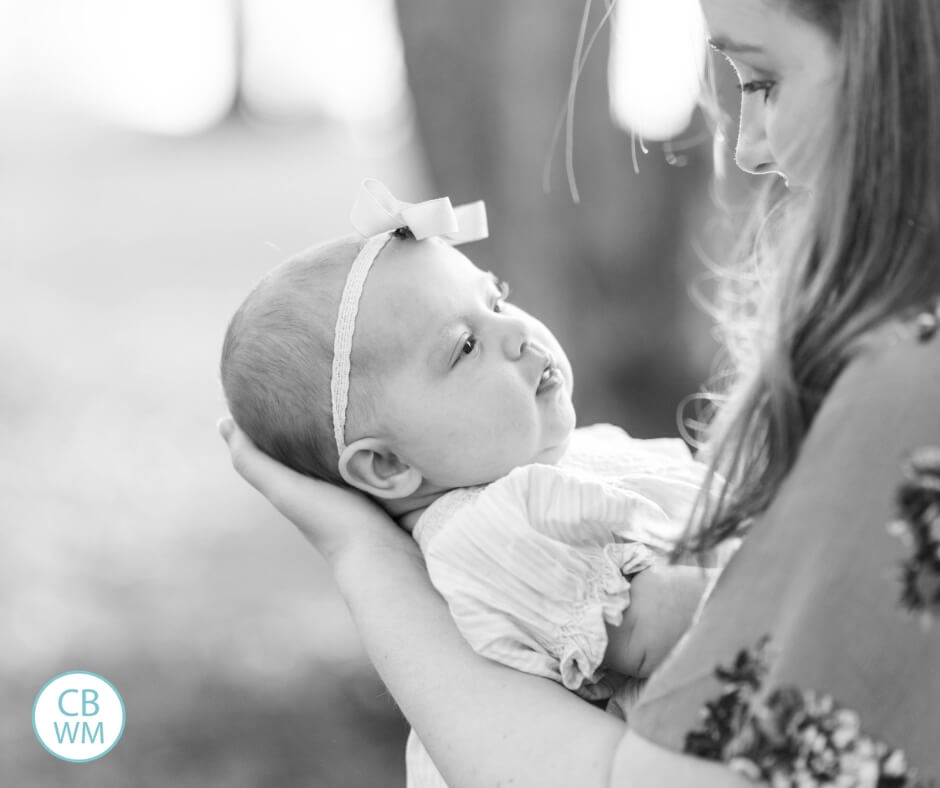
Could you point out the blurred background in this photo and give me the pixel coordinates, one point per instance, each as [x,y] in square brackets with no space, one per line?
[156,158]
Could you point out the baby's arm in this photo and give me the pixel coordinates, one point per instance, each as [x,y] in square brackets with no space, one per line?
[663,599]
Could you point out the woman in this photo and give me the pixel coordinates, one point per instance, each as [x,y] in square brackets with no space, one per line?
[805,663]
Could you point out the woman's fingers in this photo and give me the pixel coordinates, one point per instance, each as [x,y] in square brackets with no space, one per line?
[296,496]
[246,459]
[331,517]
[263,473]
[225,426]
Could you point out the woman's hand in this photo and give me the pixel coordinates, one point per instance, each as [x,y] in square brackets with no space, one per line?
[338,521]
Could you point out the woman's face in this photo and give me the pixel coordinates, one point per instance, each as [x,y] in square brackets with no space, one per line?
[789,76]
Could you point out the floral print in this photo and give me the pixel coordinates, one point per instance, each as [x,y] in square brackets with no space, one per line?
[918,527]
[789,737]
[727,715]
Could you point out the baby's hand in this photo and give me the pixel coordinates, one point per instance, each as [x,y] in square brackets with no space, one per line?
[663,601]
[338,521]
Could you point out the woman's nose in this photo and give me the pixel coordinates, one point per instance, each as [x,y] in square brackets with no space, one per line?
[752,153]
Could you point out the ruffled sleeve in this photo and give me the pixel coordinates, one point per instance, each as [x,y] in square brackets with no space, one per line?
[535,566]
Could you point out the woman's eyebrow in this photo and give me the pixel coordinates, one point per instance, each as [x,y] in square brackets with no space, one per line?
[727,45]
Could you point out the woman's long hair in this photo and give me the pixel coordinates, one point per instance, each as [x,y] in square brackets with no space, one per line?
[822,270]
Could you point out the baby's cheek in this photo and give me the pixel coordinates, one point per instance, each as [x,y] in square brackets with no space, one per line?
[483,453]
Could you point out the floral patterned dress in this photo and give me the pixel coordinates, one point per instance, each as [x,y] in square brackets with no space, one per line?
[816,660]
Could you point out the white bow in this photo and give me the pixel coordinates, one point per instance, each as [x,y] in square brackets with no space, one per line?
[377,210]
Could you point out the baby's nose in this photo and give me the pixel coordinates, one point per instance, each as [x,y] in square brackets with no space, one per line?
[538,352]
[533,355]
[516,339]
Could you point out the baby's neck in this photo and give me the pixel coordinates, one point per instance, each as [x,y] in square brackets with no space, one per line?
[407,511]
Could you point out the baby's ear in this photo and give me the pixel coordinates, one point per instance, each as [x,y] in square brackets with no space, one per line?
[369,465]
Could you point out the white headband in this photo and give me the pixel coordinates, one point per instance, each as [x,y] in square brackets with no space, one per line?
[376,214]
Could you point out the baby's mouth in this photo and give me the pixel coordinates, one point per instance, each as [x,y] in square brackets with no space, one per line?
[550,377]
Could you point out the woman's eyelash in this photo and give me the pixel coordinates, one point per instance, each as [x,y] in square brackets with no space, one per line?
[758,85]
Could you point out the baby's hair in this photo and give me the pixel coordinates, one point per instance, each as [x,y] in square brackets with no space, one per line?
[277,359]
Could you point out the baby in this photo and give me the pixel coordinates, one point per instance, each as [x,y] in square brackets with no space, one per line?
[391,363]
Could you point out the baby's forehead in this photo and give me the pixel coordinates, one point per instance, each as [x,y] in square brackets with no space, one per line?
[429,275]
[412,292]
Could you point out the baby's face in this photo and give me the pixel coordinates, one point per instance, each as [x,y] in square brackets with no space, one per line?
[470,387]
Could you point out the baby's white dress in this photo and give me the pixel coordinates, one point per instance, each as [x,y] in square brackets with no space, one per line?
[535,565]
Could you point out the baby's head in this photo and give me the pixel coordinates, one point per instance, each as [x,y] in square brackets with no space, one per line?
[449,386]
[276,358]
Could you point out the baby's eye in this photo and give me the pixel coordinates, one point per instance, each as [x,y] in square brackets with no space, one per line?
[503,296]
[758,85]
[468,346]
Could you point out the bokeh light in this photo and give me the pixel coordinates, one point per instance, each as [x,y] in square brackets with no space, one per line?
[166,67]
[657,59]
[342,59]
[177,67]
